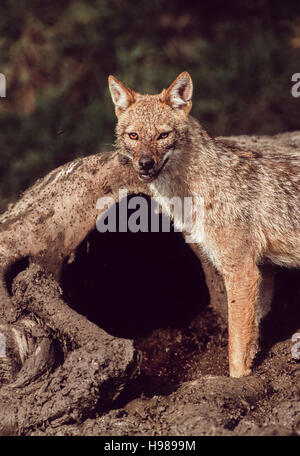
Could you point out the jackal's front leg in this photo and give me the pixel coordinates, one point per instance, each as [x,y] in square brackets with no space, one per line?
[242,286]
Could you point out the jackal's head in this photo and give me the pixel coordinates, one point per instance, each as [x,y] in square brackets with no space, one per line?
[151,127]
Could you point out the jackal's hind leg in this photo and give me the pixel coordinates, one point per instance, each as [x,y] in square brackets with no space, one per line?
[266,291]
[243,286]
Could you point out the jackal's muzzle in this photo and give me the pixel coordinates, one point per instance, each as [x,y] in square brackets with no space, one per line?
[148,169]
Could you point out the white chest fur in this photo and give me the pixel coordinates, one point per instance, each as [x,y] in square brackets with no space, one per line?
[182,210]
[192,221]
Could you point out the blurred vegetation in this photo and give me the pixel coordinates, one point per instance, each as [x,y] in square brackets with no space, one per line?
[56,56]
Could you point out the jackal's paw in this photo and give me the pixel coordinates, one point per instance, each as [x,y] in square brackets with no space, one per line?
[239,371]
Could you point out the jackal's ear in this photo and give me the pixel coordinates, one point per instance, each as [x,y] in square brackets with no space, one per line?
[121,95]
[179,94]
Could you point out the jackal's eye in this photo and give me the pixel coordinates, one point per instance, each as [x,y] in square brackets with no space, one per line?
[164,135]
[133,136]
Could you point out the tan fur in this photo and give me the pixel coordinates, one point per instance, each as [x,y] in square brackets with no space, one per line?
[251,195]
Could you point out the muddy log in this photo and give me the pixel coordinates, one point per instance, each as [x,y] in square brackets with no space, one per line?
[44,342]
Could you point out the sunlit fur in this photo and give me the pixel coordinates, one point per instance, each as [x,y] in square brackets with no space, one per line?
[252,205]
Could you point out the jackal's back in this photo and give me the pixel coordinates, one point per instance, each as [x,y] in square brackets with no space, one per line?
[266,174]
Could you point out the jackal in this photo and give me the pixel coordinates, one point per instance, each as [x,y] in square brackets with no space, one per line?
[251,199]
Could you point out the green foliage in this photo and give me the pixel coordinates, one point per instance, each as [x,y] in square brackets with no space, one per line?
[57,55]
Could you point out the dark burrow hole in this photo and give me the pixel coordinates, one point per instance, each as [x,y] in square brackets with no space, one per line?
[284,319]
[149,287]
[14,270]
[130,284]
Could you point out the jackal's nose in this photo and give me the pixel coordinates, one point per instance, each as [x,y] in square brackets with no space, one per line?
[146,162]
